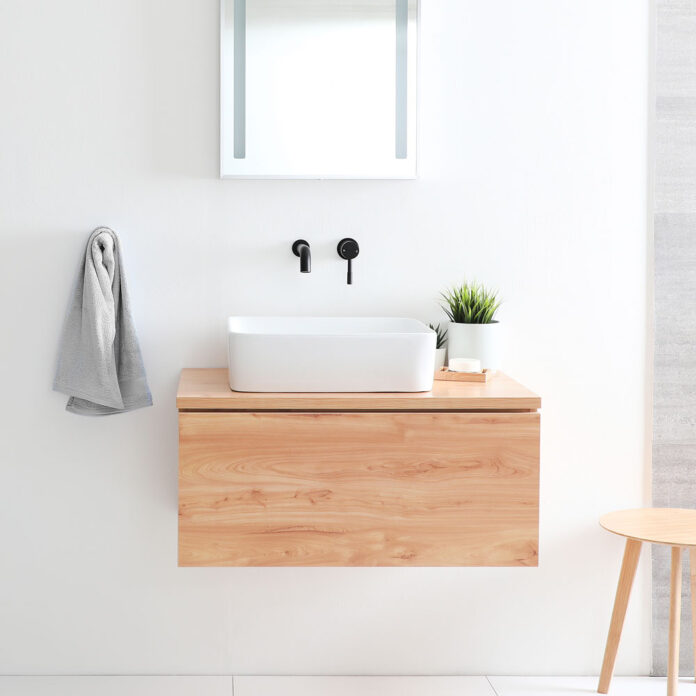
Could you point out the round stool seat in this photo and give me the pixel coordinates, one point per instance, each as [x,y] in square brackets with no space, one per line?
[671,526]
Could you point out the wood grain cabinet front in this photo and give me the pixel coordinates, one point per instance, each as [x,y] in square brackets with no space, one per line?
[358,488]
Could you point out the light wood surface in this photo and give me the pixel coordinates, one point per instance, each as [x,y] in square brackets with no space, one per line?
[358,489]
[675,527]
[692,577]
[447,375]
[670,526]
[623,592]
[208,389]
[674,619]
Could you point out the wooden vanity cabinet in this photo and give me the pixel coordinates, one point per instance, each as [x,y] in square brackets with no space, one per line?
[443,478]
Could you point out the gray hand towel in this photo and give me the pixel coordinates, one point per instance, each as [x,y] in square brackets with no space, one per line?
[99,361]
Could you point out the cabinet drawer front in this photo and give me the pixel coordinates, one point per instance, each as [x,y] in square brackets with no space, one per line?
[358,489]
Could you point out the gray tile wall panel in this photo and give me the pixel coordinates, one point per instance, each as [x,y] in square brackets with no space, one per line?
[674,410]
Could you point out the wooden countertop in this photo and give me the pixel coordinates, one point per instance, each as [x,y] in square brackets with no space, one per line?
[207,389]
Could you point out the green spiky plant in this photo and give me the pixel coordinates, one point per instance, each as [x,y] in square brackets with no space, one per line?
[441,335]
[470,303]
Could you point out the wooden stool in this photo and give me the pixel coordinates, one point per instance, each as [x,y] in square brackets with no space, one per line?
[670,526]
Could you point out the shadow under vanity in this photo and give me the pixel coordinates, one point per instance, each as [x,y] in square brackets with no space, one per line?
[448,477]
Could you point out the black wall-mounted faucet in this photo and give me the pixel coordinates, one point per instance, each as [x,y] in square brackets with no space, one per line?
[301,248]
[348,249]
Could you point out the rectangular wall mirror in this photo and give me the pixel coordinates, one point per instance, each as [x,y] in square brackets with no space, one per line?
[315,89]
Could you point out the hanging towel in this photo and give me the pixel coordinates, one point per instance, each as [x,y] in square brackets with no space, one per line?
[99,363]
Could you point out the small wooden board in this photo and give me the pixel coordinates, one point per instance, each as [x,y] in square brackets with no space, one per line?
[446,375]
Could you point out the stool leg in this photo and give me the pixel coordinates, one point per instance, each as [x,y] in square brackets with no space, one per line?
[623,592]
[692,572]
[674,616]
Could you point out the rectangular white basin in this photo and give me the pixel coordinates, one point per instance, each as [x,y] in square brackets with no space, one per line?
[330,354]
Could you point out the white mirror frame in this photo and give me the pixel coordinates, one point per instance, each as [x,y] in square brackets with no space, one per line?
[234,160]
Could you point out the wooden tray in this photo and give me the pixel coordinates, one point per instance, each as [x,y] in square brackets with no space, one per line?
[446,375]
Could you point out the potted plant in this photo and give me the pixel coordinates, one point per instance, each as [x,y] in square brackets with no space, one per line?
[473,331]
[440,345]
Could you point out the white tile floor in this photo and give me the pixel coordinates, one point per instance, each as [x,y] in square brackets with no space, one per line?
[333,686]
[575,686]
[116,686]
[362,686]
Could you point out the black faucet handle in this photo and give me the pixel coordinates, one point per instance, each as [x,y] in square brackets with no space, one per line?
[348,249]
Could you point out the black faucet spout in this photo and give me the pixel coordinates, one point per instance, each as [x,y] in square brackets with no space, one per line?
[301,248]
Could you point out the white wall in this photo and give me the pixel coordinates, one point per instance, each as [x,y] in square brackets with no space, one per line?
[533,178]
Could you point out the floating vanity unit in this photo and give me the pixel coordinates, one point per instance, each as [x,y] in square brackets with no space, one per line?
[448,477]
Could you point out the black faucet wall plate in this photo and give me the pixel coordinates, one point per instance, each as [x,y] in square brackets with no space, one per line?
[348,249]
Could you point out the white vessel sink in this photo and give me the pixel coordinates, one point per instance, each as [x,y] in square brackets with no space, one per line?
[330,354]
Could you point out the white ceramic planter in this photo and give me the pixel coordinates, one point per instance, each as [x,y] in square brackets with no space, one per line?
[482,341]
[440,354]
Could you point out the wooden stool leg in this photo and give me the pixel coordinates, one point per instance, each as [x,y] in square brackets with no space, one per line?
[692,572]
[674,616]
[623,592]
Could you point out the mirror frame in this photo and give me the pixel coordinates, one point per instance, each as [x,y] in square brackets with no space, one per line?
[233,119]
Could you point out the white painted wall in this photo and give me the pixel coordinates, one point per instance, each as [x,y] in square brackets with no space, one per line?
[533,178]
